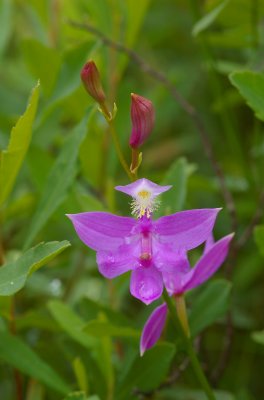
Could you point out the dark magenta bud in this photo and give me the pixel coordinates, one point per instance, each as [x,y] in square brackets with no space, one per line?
[142,117]
[92,82]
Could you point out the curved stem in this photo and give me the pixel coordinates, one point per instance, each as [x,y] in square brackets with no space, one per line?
[119,150]
[135,163]
[182,314]
[177,321]
[109,117]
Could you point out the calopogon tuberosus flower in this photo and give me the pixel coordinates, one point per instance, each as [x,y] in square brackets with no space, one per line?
[92,82]
[153,250]
[143,118]
[179,281]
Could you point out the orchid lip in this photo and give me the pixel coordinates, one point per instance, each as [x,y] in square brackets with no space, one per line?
[143,193]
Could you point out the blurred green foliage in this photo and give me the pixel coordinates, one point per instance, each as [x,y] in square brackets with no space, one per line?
[64,330]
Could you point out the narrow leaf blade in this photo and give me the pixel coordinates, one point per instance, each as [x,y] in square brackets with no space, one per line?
[58,182]
[208,19]
[251,87]
[259,238]
[14,274]
[210,305]
[147,372]
[18,354]
[11,159]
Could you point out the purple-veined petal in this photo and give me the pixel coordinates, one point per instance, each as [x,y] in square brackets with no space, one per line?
[125,258]
[208,263]
[146,284]
[153,328]
[101,230]
[186,229]
[142,185]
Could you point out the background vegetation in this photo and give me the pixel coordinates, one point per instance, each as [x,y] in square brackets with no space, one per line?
[64,328]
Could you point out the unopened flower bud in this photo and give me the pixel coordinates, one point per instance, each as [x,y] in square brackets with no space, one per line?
[91,80]
[142,117]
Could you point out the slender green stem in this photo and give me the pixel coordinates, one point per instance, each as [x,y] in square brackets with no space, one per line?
[199,372]
[189,348]
[109,117]
[119,150]
[182,314]
[134,162]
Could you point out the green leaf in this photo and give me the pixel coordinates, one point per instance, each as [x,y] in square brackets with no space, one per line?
[71,323]
[36,318]
[136,12]
[258,337]
[208,19]
[47,67]
[251,86]
[92,144]
[259,238]
[69,74]
[76,396]
[5,23]
[210,305]
[13,275]
[12,158]
[80,396]
[80,373]
[177,176]
[18,354]
[58,182]
[184,394]
[146,373]
[104,328]
[94,397]
[92,308]
[105,356]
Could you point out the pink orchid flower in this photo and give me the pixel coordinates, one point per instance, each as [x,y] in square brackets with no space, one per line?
[151,249]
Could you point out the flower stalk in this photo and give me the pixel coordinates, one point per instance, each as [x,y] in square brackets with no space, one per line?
[176,319]
[119,150]
[182,314]
[91,79]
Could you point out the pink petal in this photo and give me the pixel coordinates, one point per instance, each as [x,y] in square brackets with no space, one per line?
[112,264]
[209,243]
[142,184]
[174,281]
[153,328]
[146,284]
[186,229]
[208,263]
[169,259]
[101,230]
